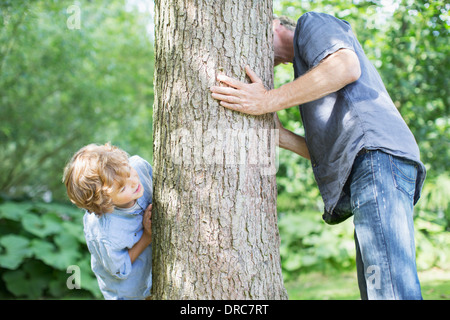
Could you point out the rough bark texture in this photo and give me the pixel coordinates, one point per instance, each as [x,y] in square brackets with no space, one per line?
[215,221]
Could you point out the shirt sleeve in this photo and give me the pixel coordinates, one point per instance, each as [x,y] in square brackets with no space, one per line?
[116,261]
[321,35]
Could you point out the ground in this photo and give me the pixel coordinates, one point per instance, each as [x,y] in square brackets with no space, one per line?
[344,286]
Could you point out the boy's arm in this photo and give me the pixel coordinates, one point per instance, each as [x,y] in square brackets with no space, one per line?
[146,237]
[139,247]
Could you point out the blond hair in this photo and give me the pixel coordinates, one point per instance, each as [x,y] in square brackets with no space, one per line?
[92,175]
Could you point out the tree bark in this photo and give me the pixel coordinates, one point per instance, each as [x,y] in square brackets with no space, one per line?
[215,232]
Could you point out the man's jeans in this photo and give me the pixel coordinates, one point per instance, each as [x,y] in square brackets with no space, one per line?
[381,189]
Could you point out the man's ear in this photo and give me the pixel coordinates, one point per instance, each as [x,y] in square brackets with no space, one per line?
[276,24]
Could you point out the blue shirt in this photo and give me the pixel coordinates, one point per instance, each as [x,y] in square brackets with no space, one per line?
[109,237]
[359,116]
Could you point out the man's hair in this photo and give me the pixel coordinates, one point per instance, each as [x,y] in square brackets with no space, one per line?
[91,175]
[287,22]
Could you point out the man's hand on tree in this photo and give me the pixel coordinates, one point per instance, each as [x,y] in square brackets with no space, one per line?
[250,98]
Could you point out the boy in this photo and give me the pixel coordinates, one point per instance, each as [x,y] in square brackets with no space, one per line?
[116,190]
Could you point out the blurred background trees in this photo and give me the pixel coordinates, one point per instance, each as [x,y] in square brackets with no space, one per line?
[62,88]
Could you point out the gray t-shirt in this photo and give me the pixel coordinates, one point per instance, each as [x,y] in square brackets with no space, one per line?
[359,116]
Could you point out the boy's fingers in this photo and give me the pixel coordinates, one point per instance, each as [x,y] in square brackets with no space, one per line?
[148,211]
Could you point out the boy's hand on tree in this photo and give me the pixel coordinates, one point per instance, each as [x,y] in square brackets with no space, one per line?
[146,238]
[250,98]
[147,221]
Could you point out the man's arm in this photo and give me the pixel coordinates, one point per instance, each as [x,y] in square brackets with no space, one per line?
[332,74]
[291,141]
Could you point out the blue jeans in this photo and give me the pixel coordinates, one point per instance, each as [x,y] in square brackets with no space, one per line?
[381,189]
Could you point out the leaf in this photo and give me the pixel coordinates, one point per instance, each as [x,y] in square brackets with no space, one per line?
[65,212]
[17,249]
[30,281]
[68,253]
[60,258]
[16,282]
[42,226]
[43,251]
[13,210]
[33,224]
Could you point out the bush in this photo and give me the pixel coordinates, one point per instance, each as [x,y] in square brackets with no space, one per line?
[308,244]
[38,242]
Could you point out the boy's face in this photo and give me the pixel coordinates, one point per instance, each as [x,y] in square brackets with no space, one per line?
[129,193]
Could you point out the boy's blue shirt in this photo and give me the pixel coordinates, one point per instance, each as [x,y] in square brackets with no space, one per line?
[109,238]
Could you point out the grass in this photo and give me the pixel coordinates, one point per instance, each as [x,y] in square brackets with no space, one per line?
[344,286]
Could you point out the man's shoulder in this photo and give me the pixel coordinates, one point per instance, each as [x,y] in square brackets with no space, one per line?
[313,17]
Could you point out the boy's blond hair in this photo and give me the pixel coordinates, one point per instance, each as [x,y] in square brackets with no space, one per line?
[92,175]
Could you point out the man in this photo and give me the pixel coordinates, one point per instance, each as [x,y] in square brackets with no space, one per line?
[365,159]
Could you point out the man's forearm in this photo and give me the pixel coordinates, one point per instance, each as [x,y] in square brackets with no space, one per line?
[293,142]
[331,75]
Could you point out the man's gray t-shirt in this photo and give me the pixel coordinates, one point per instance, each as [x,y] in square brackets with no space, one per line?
[359,116]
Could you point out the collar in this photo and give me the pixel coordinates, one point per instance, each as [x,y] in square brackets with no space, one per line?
[136,209]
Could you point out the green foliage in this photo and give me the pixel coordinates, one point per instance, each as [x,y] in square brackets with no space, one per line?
[307,244]
[63,88]
[432,223]
[38,242]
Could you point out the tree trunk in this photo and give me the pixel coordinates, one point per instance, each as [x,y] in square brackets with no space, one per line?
[215,220]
